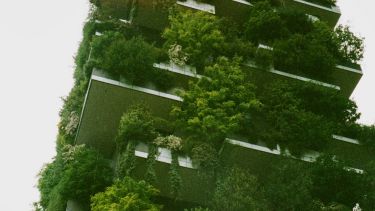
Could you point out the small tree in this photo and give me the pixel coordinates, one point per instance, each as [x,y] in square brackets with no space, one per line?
[238,190]
[126,194]
[351,46]
[197,33]
[289,187]
[214,106]
[86,173]
[136,124]
[132,58]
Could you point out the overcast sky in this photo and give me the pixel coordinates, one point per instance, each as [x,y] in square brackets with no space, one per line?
[38,40]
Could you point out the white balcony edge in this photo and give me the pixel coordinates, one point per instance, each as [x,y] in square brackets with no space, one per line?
[198,6]
[334,9]
[185,70]
[345,139]
[163,159]
[136,88]
[253,146]
[243,2]
[305,79]
[349,69]
[306,158]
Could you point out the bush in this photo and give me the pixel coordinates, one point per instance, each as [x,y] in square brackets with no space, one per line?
[132,59]
[87,173]
[238,190]
[126,194]
[351,47]
[205,156]
[264,25]
[213,107]
[332,183]
[198,33]
[136,124]
[289,187]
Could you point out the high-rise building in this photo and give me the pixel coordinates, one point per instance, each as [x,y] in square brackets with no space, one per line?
[108,97]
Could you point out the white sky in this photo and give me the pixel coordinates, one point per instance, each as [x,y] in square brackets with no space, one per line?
[38,40]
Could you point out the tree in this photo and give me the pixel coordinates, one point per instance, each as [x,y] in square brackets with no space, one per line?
[126,194]
[289,187]
[132,58]
[289,122]
[215,105]
[198,33]
[137,124]
[351,46]
[238,190]
[264,25]
[333,183]
[86,173]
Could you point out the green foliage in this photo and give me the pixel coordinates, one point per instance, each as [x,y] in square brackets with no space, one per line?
[351,47]
[132,59]
[198,33]
[205,156]
[368,200]
[238,190]
[76,173]
[264,25]
[289,187]
[125,194]
[171,142]
[86,173]
[289,121]
[49,177]
[304,55]
[151,159]
[136,124]
[263,58]
[126,160]
[174,176]
[214,106]
[332,183]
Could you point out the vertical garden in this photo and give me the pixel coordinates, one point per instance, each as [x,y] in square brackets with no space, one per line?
[235,97]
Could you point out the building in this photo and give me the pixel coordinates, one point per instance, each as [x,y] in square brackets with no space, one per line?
[107,98]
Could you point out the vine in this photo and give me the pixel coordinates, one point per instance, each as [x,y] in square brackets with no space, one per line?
[150,176]
[174,176]
[126,161]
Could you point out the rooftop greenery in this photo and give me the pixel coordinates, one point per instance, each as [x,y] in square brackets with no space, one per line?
[223,103]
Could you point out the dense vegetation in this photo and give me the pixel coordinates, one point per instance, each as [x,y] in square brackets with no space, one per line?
[223,103]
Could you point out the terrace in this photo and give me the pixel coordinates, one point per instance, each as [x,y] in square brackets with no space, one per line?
[192,183]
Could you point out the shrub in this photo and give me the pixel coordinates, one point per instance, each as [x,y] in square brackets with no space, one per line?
[214,106]
[351,47]
[289,187]
[171,142]
[198,33]
[126,194]
[205,156]
[264,25]
[332,183]
[132,59]
[136,124]
[238,190]
[87,173]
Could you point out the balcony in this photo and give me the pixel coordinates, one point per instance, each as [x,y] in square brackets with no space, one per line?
[351,151]
[106,100]
[257,158]
[192,183]
[329,14]
[192,4]
[238,9]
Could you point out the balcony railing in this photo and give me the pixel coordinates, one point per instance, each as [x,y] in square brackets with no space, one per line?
[198,6]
